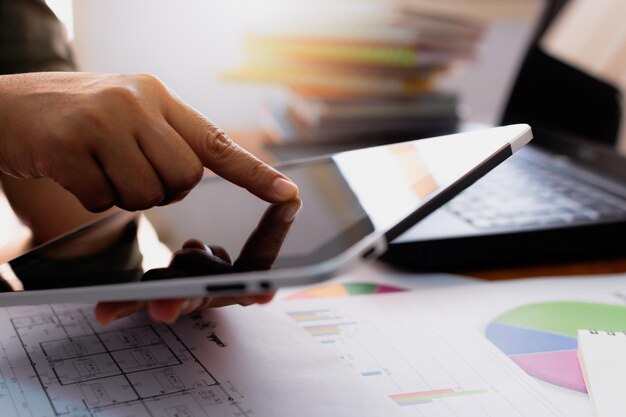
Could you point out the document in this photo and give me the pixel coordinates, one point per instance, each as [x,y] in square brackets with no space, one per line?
[57,361]
[380,275]
[601,355]
[424,363]
[535,323]
[382,354]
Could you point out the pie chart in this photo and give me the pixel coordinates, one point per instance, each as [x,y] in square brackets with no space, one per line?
[542,338]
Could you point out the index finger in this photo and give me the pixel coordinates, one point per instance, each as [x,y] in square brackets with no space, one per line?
[226,158]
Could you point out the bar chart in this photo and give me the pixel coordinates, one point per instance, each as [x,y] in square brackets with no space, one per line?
[417,359]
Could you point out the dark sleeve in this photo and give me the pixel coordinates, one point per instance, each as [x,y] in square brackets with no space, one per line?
[32,39]
[121,263]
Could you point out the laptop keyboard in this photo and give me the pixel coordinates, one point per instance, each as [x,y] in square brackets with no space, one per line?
[523,194]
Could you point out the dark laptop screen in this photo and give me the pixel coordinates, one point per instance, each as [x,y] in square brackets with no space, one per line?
[572,112]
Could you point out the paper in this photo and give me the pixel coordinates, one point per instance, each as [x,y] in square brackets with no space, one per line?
[378,355]
[603,360]
[535,321]
[405,352]
[381,274]
[57,361]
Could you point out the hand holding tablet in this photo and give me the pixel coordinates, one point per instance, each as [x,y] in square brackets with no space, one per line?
[195,258]
[353,204]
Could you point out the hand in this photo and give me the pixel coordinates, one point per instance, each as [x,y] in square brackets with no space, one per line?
[123,140]
[196,259]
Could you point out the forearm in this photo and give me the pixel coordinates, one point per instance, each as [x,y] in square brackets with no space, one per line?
[37,44]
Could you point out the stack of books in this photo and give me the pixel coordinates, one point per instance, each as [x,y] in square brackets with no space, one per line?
[360,70]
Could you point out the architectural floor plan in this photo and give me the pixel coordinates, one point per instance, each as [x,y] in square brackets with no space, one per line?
[137,369]
[56,360]
[386,354]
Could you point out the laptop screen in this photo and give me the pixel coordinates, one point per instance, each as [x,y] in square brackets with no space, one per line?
[572,111]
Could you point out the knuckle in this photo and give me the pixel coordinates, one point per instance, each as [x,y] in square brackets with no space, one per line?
[185,180]
[186,184]
[97,207]
[218,144]
[95,196]
[257,169]
[148,82]
[192,175]
[149,198]
[96,202]
[126,95]
[92,117]
[115,95]
[154,197]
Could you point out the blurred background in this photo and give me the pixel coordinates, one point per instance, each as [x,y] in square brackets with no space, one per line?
[205,51]
[194,46]
[340,74]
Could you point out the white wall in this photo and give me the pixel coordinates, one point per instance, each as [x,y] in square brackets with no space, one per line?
[185,43]
[485,84]
[189,43]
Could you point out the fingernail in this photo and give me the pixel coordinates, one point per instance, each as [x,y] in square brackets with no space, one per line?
[284,188]
[184,307]
[289,212]
[123,312]
[246,301]
[194,244]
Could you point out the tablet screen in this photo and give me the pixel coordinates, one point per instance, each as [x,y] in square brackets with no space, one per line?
[343,198]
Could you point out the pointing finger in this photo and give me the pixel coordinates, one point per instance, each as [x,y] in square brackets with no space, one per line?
[227,159]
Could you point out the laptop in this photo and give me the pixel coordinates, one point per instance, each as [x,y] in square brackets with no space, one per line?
[562,198]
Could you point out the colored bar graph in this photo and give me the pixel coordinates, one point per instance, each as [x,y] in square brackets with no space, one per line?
[312,315]
[327,329]
[324,331]
[424,397]
[322,291]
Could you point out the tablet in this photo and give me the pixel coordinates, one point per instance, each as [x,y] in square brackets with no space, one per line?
[351,205]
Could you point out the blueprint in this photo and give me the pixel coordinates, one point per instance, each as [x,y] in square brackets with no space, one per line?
[88,371]
[58,361]
[331,352]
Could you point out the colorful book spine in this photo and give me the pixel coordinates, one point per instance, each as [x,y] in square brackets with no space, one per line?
[365,55]
[346,82]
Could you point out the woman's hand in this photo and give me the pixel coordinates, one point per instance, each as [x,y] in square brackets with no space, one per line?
[119,140]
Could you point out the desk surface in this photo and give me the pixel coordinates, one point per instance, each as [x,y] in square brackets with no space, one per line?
[605,266]
[255,142]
